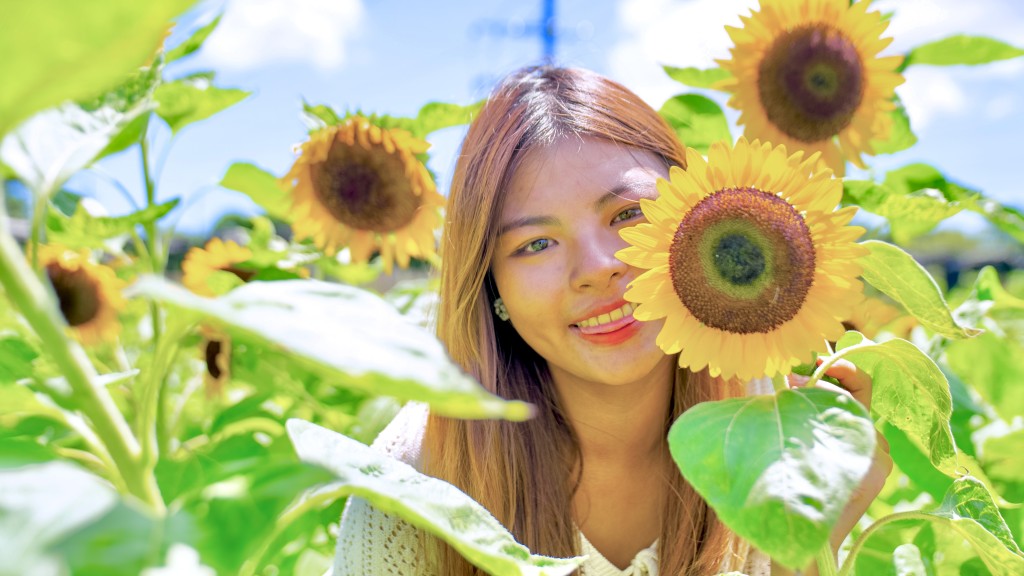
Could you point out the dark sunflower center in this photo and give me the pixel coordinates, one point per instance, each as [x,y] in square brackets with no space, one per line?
[212,353]
[742,261]
[77,293]
[365,188]
[811,82]
[243,274]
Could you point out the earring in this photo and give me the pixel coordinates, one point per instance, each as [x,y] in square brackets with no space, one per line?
[499,309]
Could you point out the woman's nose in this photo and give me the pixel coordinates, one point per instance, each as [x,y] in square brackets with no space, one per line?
[596,266]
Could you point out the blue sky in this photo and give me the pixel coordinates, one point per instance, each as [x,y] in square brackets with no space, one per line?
[392,57]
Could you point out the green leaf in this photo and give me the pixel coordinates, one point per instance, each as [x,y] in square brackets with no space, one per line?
[697,77]
[967,512]
[349,336]
[434,116]
[58,50]
[901,136]
[183,102]
[992,366]
[908,391]
[58,519]
[263,187]
[82,229]
[919,176]
[427,503]
[962,49]
[777,469]
[194,42]
[319,116]
[897,275]
[1003,458]
[52,145]
[910,215]
[698,121]
[16,358]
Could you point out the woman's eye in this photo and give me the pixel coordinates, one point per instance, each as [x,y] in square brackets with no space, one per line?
[627,214]
[536,246]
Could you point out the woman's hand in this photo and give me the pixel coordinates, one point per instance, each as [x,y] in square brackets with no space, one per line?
[858,385]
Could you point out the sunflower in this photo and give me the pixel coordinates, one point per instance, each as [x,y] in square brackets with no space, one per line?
[89,294]
[806,73]
[362,186]
[746,260]
[217,255]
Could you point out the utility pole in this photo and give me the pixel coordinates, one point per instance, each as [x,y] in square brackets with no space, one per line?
[544,29]
[548,31]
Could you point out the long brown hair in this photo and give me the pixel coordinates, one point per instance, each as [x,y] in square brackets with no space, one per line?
[523,472]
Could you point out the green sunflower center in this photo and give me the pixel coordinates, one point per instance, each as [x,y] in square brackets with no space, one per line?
[77,294]
[742,261]
[811,82]
[365,189]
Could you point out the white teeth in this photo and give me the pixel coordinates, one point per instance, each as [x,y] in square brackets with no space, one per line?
[618,314]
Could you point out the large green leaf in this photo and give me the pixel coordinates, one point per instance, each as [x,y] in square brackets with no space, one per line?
[58,50]
[185,101]
[58,519]
[263,187]
[962,49]
[926,179]
[348,335]
[967,512]
[910,215]
[897,275]
[52,145]
[427,503]
[1003,457]
[697,77]
[81,229]
[777,469]
[698,121]
[908,391]
[195,41]
[993,366]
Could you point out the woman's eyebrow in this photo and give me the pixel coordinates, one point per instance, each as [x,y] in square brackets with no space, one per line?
[526,221]
[635,191]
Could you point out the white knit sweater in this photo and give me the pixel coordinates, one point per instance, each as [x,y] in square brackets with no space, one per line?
[371,542]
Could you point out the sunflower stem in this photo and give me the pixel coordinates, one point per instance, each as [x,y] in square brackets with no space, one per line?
[149,414]
[826,560]
[38,306]
[152,240]
[37,236]
[831,360]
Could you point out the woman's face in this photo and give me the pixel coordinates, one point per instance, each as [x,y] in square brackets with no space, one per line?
[555,265]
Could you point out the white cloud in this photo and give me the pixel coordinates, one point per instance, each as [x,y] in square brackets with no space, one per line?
[254,33]
[930,92]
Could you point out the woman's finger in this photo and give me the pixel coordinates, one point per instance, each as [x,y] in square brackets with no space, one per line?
[857,382]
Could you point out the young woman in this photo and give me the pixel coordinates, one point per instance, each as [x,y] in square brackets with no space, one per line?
[532,305]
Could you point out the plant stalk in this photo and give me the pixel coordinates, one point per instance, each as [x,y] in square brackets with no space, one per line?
[152,239]
[36,304]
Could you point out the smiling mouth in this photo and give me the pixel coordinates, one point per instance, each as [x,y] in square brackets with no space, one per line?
[609,321]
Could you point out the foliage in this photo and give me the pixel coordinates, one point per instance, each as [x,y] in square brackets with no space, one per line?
[218,432]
